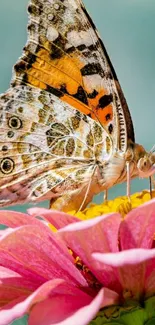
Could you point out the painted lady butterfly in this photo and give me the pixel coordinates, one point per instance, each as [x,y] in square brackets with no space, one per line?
[65,127]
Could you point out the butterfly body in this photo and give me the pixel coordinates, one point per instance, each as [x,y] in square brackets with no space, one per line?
[65,127]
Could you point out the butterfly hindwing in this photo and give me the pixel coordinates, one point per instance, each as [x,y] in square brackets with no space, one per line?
[45,146]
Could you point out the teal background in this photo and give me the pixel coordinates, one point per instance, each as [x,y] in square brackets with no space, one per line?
[127,28]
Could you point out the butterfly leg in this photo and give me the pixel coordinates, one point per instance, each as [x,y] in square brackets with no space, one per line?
[71,200]
[128,179]
[151,183]
[76,195]
[105,196]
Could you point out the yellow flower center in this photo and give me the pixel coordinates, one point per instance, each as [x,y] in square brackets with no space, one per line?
[121,204]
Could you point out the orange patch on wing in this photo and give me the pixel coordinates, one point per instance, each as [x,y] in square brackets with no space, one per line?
[56,72]
[93,102]
[35,82]
[77,104]
[100,113]
[66,71]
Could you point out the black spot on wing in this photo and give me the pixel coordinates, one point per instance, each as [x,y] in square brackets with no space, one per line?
[81,47]
[54,91]
[20,66]
[108,117]
[93,94]
[35,10]
[29,60]
[105,101]
[92,68]
[58,48]
[70,50]
[93,47]
[81,95]
[4,148]
[110,128]
[9,105]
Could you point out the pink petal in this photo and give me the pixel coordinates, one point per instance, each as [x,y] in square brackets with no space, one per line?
[40,252]
[128,257]
[18,308]
[4,232]
[12,311]
[13,287]
[56,218]
[150,281]
[12,280]
[150,278]
[131,265]
[15,219]
[10,262]
[71,308]
[98,234]
[137,229]
[62,303]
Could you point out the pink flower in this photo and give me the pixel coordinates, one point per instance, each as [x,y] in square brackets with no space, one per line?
[112,263]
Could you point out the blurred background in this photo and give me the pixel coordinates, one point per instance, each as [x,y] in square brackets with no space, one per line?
[127,29]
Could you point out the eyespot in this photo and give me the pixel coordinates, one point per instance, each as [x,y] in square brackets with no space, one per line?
[10,134]
[4,148]
[20,109]
[15,122]
[7,165]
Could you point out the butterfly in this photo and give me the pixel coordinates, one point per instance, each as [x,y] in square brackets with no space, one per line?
[66,132]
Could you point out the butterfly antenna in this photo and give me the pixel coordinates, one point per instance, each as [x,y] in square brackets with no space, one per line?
[87,190]
[152,149]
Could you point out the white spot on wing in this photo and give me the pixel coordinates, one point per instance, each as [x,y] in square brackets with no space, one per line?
[71,3]
[78,38]
[52,34]
[93,82]
[56,6]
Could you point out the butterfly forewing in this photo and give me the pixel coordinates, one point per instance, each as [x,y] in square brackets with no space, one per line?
[65,56]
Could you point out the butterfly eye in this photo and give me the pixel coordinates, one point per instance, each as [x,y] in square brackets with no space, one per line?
[7,165]
[15,122]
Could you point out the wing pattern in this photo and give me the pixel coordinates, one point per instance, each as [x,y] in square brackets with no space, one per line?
[46,147]
[65,56]
[64,112]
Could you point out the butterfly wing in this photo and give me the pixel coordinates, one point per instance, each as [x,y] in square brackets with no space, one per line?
[47,148]
[64,110]
[65,56]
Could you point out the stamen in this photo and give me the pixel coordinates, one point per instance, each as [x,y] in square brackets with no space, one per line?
[90,278]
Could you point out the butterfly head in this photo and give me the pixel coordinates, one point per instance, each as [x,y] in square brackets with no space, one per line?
[146,164]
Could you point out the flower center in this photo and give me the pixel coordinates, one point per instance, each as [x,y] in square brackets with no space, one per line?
[120,204]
